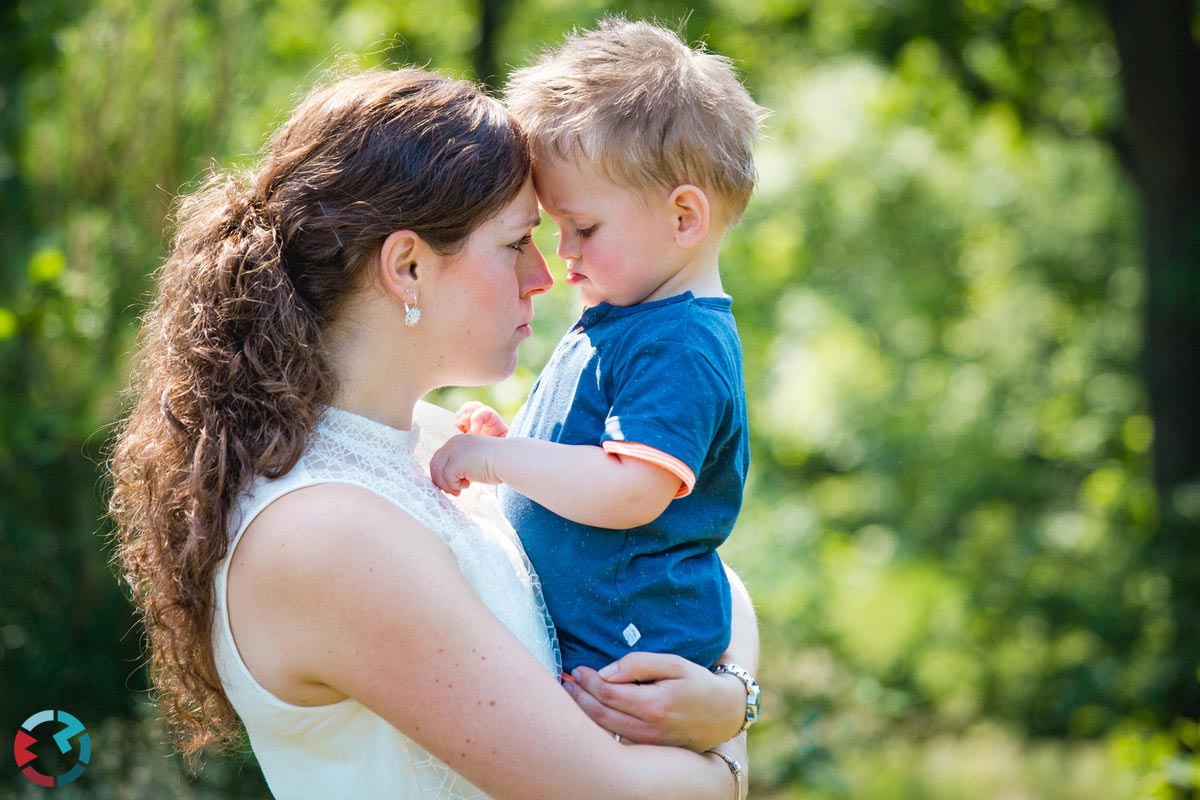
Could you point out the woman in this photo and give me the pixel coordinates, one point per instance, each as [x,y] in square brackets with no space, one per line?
[292,563]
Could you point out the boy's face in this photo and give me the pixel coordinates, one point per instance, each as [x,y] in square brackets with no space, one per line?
[619,244]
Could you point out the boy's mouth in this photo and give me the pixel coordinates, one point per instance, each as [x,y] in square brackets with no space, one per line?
[574,277]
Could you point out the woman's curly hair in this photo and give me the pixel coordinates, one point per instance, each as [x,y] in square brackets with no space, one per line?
[231,372]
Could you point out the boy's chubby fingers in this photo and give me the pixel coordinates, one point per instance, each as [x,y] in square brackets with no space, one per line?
[439,480]
[462,417]
[476,417]
[451,486]
[486,421]
[442,473]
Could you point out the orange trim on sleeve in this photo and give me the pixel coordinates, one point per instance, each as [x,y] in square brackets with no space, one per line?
[644,452]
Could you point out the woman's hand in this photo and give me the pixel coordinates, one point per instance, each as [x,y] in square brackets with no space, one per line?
[652,698]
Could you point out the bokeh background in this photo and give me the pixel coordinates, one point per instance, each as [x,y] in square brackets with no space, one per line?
[969,291]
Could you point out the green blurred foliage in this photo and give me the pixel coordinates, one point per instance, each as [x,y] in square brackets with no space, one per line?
[939,289]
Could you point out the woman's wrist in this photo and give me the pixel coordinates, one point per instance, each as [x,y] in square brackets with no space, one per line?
[732,704]
[753,692]
[736,769]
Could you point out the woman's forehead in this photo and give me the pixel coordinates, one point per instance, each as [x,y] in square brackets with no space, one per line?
[523,211]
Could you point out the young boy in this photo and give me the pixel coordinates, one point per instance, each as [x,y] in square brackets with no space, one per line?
[624,470]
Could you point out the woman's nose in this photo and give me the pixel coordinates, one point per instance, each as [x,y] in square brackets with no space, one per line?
[534,276]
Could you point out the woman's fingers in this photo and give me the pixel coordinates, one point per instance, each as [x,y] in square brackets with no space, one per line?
[673,700]
[645,668]
[642,701]
[629,728]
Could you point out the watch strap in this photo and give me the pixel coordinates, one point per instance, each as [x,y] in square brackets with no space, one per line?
[753,691]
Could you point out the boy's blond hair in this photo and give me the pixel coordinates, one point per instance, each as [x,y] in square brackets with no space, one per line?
[650,111]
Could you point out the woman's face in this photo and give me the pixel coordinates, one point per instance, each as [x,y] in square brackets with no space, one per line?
[482,305]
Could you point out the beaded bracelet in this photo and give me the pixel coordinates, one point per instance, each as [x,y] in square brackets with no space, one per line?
[735,768]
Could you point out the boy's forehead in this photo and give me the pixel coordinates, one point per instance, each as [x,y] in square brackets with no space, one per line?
[571,185]
[557,181]
[554,178]
[565,166]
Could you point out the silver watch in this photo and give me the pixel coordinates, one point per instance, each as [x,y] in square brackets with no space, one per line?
[752,690]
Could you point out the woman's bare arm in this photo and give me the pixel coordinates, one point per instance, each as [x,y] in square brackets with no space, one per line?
[334,593]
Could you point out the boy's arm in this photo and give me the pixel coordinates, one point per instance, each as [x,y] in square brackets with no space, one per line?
[582,483]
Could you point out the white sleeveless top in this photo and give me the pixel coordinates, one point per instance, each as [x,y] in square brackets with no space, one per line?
[345,750]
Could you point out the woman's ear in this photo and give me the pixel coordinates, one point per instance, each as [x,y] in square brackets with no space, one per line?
[690,212]
[400,268]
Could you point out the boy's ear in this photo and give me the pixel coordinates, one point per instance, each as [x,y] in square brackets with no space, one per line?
[403,264]
[690,214]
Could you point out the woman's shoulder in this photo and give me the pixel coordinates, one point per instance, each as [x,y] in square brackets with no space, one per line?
[315,522]
[328,544]
[311,573]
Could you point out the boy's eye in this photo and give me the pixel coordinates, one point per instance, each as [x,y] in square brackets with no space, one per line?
[522,243]
[588,231]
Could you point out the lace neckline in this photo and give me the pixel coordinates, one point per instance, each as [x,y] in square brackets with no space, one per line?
[348,425]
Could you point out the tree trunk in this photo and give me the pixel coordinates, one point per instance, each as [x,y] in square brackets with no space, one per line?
[1160,76]
[491,18]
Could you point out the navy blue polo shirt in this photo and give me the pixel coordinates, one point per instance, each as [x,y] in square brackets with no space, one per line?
[664,377]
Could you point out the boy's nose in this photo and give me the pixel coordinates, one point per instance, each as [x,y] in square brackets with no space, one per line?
[567,246]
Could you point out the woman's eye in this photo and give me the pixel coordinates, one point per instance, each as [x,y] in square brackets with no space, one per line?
[522,243]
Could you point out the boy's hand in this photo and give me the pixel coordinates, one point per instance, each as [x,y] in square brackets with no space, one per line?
[463,459]
[475,417]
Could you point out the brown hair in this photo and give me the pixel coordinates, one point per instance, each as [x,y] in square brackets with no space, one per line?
[231,371]
[650,111]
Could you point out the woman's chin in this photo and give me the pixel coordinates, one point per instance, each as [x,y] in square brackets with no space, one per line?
[487,375]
